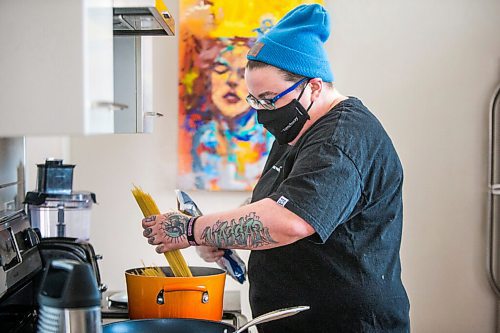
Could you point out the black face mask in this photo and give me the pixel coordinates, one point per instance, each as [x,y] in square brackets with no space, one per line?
[285,122]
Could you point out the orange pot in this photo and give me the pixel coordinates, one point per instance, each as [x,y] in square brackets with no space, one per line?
[198,297]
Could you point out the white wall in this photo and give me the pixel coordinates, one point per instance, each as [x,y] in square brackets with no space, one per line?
[40,148]
[427,69]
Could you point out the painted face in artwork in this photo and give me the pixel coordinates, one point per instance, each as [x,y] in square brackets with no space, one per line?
[228,80]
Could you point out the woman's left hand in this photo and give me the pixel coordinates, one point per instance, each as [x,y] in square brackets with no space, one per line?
[166,231]
[210,253]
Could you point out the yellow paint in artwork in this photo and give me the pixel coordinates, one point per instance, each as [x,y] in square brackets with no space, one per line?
[245,155]
[229,18]
[242,18]
[189,79]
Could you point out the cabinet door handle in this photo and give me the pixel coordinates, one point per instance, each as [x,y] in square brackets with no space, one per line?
[110,105]
[153,114]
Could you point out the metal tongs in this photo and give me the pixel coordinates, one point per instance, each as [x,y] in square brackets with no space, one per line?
[186,205]
[231,262]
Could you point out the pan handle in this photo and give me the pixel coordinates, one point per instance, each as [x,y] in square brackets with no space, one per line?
[274,315]
[160,298]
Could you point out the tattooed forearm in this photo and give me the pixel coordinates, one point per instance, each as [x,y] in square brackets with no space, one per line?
[248,231]
[174,226]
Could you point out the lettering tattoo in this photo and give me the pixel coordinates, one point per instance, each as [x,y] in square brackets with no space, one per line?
[247,231]
[174,227]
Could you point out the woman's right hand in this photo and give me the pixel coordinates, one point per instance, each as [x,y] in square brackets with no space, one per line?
[209,253]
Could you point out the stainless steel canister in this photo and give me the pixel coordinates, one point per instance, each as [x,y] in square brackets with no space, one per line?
[69,299]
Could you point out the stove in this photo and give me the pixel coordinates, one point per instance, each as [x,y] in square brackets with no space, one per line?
[20,263]
[112,310]
[23,254]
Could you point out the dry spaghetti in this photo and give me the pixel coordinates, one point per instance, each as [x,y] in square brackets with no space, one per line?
[175,259]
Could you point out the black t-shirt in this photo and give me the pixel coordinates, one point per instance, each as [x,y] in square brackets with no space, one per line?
[345,179]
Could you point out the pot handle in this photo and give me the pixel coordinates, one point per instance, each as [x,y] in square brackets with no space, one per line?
[160,298]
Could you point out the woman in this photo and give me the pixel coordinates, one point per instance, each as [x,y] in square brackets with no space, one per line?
[325,221]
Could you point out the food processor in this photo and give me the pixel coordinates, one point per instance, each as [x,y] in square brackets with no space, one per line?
[54,208]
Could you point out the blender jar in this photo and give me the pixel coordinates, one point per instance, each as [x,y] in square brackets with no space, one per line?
[61,215]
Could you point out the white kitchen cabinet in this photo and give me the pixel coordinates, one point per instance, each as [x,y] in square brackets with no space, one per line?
[56,65]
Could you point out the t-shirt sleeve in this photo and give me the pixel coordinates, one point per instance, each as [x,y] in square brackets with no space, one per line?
[322,188]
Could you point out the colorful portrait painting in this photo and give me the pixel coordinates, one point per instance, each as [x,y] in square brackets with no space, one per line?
[221,144]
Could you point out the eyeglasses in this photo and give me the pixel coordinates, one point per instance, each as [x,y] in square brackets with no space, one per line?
[268,103]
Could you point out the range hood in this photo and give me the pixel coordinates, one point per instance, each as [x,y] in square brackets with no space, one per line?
[142,18]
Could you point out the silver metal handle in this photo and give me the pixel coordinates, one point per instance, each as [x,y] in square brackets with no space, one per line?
[274,315]
[110,105]
[16,246]
[494,190]
[153,114]
[122,21]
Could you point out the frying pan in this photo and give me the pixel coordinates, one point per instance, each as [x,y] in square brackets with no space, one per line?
[180,325]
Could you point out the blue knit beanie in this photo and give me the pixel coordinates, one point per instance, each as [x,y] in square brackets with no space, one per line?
[295,43]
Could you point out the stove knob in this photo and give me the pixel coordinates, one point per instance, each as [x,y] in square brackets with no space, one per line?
[30,238]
